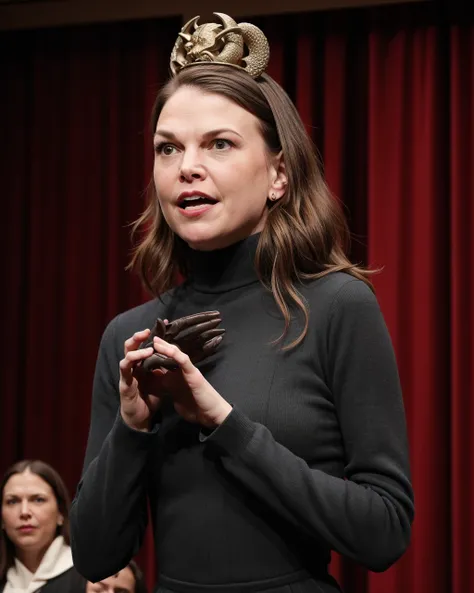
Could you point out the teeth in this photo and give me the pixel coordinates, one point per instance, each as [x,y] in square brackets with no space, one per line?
[193,198]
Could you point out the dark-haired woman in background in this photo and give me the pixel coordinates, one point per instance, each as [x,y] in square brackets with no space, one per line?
[34,541]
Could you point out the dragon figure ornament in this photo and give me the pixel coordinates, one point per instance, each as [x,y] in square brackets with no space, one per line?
[241,45]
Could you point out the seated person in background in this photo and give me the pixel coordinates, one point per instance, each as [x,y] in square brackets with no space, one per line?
[129,580]
[34,539]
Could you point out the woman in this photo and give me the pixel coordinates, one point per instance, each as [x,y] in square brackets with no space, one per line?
[128,580]
[289,440]
[34,542]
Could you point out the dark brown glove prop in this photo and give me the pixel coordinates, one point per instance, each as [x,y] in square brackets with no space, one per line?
[196,335]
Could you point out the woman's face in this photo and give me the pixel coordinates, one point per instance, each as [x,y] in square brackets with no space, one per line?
[30,514]
[212,171]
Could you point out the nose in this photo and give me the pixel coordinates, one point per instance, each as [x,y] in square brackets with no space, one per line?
[191,169]
[25,509]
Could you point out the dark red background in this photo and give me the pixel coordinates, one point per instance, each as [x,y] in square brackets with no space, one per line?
[388,96]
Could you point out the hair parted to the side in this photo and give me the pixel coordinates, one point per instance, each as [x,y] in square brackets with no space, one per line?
[305,235]
[50,476]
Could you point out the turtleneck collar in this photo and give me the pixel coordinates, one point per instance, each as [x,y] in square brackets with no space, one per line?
[224,269]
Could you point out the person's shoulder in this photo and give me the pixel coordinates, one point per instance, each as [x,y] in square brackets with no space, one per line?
[339,288]
[69,581]
[340,300]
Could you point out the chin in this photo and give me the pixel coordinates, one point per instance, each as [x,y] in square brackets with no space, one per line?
[206,240]
[27,543]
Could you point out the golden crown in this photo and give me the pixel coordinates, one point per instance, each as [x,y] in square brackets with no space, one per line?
[241,45]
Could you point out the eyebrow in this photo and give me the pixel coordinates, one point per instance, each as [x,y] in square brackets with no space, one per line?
[171,136]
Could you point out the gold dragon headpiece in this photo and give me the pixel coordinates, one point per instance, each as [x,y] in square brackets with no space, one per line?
[240,45]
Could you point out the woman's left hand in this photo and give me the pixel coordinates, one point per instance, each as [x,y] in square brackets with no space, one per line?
[194,398]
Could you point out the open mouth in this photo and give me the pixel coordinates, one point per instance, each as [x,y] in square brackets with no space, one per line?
[196,201]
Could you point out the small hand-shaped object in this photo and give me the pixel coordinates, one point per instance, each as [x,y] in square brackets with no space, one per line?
[196,335]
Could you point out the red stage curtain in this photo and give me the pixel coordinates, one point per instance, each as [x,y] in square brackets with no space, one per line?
[388,96]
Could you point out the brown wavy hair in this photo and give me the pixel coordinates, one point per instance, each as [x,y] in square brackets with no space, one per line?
[305,235]
[49,475]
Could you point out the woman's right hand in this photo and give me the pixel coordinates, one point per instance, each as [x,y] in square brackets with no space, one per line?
[139,392]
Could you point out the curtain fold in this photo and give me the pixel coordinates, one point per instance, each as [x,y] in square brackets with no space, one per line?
[461,192]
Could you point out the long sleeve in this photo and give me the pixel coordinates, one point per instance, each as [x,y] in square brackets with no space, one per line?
[367,514]
[109,514]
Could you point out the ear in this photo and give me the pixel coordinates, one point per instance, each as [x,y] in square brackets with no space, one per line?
[278,178]
[60,520]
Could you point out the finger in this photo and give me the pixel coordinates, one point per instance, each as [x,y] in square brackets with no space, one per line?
[159,329]
[143,376]
[134,342]
[186,322]
[158,361]
[212,344]
[212,333]
[173,352]
[195,344]
[196,330]
[128,363]
[206,349]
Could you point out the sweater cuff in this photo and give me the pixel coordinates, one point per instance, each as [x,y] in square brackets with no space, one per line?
[232,436]
[126,437]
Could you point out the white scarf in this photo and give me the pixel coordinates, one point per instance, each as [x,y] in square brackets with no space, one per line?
[57,559]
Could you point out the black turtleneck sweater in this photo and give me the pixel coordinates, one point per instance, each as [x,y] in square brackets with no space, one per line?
[312,458]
